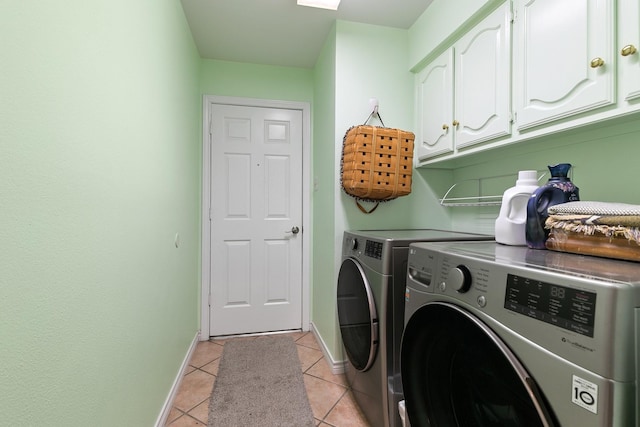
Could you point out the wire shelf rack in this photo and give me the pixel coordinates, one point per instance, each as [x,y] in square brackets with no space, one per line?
[451,199]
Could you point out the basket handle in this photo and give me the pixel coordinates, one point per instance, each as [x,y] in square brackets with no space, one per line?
[363,210]
[375,111]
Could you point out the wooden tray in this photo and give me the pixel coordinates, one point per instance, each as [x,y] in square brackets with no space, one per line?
[597,245]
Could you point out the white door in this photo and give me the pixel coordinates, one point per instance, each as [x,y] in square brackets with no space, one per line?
[256,219]
[482,81]
[464,94]
[435,107]
[565,64]
[629,48]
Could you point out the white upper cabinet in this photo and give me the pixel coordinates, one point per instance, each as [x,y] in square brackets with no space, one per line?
[628,48]
[564,60]
[483,81]
[435,107]
[464,95]
[574,62]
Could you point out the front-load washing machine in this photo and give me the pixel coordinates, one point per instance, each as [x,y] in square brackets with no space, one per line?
[370,297]
[510,336]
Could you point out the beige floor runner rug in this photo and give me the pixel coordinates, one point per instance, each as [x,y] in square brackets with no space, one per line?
[260,383]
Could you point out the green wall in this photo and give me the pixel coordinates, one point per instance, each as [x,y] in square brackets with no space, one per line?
[100,153]
[371,62]
[440,25]
[323,313]
[603,156]
[225,78]
[360,62]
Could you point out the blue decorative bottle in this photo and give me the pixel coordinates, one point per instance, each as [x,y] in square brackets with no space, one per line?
[559,189]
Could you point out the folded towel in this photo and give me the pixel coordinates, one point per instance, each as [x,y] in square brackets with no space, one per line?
[598,213]
[590,218]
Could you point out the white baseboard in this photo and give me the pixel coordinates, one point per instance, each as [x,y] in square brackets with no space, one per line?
[337,366]
[168,404]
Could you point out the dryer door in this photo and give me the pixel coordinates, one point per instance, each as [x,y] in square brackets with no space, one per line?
[357,315]
[457,372]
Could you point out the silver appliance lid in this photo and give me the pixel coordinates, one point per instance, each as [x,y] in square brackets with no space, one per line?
[410,235]
[584,266]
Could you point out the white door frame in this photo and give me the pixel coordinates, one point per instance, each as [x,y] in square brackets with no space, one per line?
[206,196]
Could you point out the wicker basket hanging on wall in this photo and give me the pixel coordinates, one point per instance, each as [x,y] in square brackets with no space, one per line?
[377,163]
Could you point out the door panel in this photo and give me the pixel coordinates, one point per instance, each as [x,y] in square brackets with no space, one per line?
[557,42]
[238,171]
[237,281]
[628,45]
[482,84]
[457,371]
[357,315]
[256,200]
[435,104]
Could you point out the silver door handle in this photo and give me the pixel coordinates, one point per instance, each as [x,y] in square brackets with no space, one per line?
[294,230]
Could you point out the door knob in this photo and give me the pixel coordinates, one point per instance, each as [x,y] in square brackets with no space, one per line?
[597,62]
[628,50]
[294,230]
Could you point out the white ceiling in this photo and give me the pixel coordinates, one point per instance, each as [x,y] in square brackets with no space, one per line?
[279,32]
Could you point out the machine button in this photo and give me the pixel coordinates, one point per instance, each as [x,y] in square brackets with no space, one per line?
[482,301]
[460,279]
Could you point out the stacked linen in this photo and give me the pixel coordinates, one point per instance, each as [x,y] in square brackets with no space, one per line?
[603,229]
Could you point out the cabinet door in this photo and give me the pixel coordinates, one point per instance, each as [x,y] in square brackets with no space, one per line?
[482,80]
[564,58]
[435,107]
[629,48]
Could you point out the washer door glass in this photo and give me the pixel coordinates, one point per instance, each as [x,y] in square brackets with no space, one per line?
[357,315]
[457,372]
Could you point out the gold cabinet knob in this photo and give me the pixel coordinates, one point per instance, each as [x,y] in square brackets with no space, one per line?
[445,126]
[597,62]
[628,50]
[455,123]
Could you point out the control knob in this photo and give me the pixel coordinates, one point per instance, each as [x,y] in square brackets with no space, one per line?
[353,243]
[460,279]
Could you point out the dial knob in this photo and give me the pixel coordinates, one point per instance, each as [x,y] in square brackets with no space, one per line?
[353,244]
[460,279]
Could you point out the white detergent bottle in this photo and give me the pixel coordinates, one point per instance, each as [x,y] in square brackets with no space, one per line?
[511,222]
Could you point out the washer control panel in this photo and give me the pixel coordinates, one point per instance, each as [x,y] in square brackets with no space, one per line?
[562,306]
[444,275]
[373,249]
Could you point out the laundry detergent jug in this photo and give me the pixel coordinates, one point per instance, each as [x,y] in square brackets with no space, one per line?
[510,224]
[559,189]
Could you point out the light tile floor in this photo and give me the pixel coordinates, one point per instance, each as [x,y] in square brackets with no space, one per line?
[330,399]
